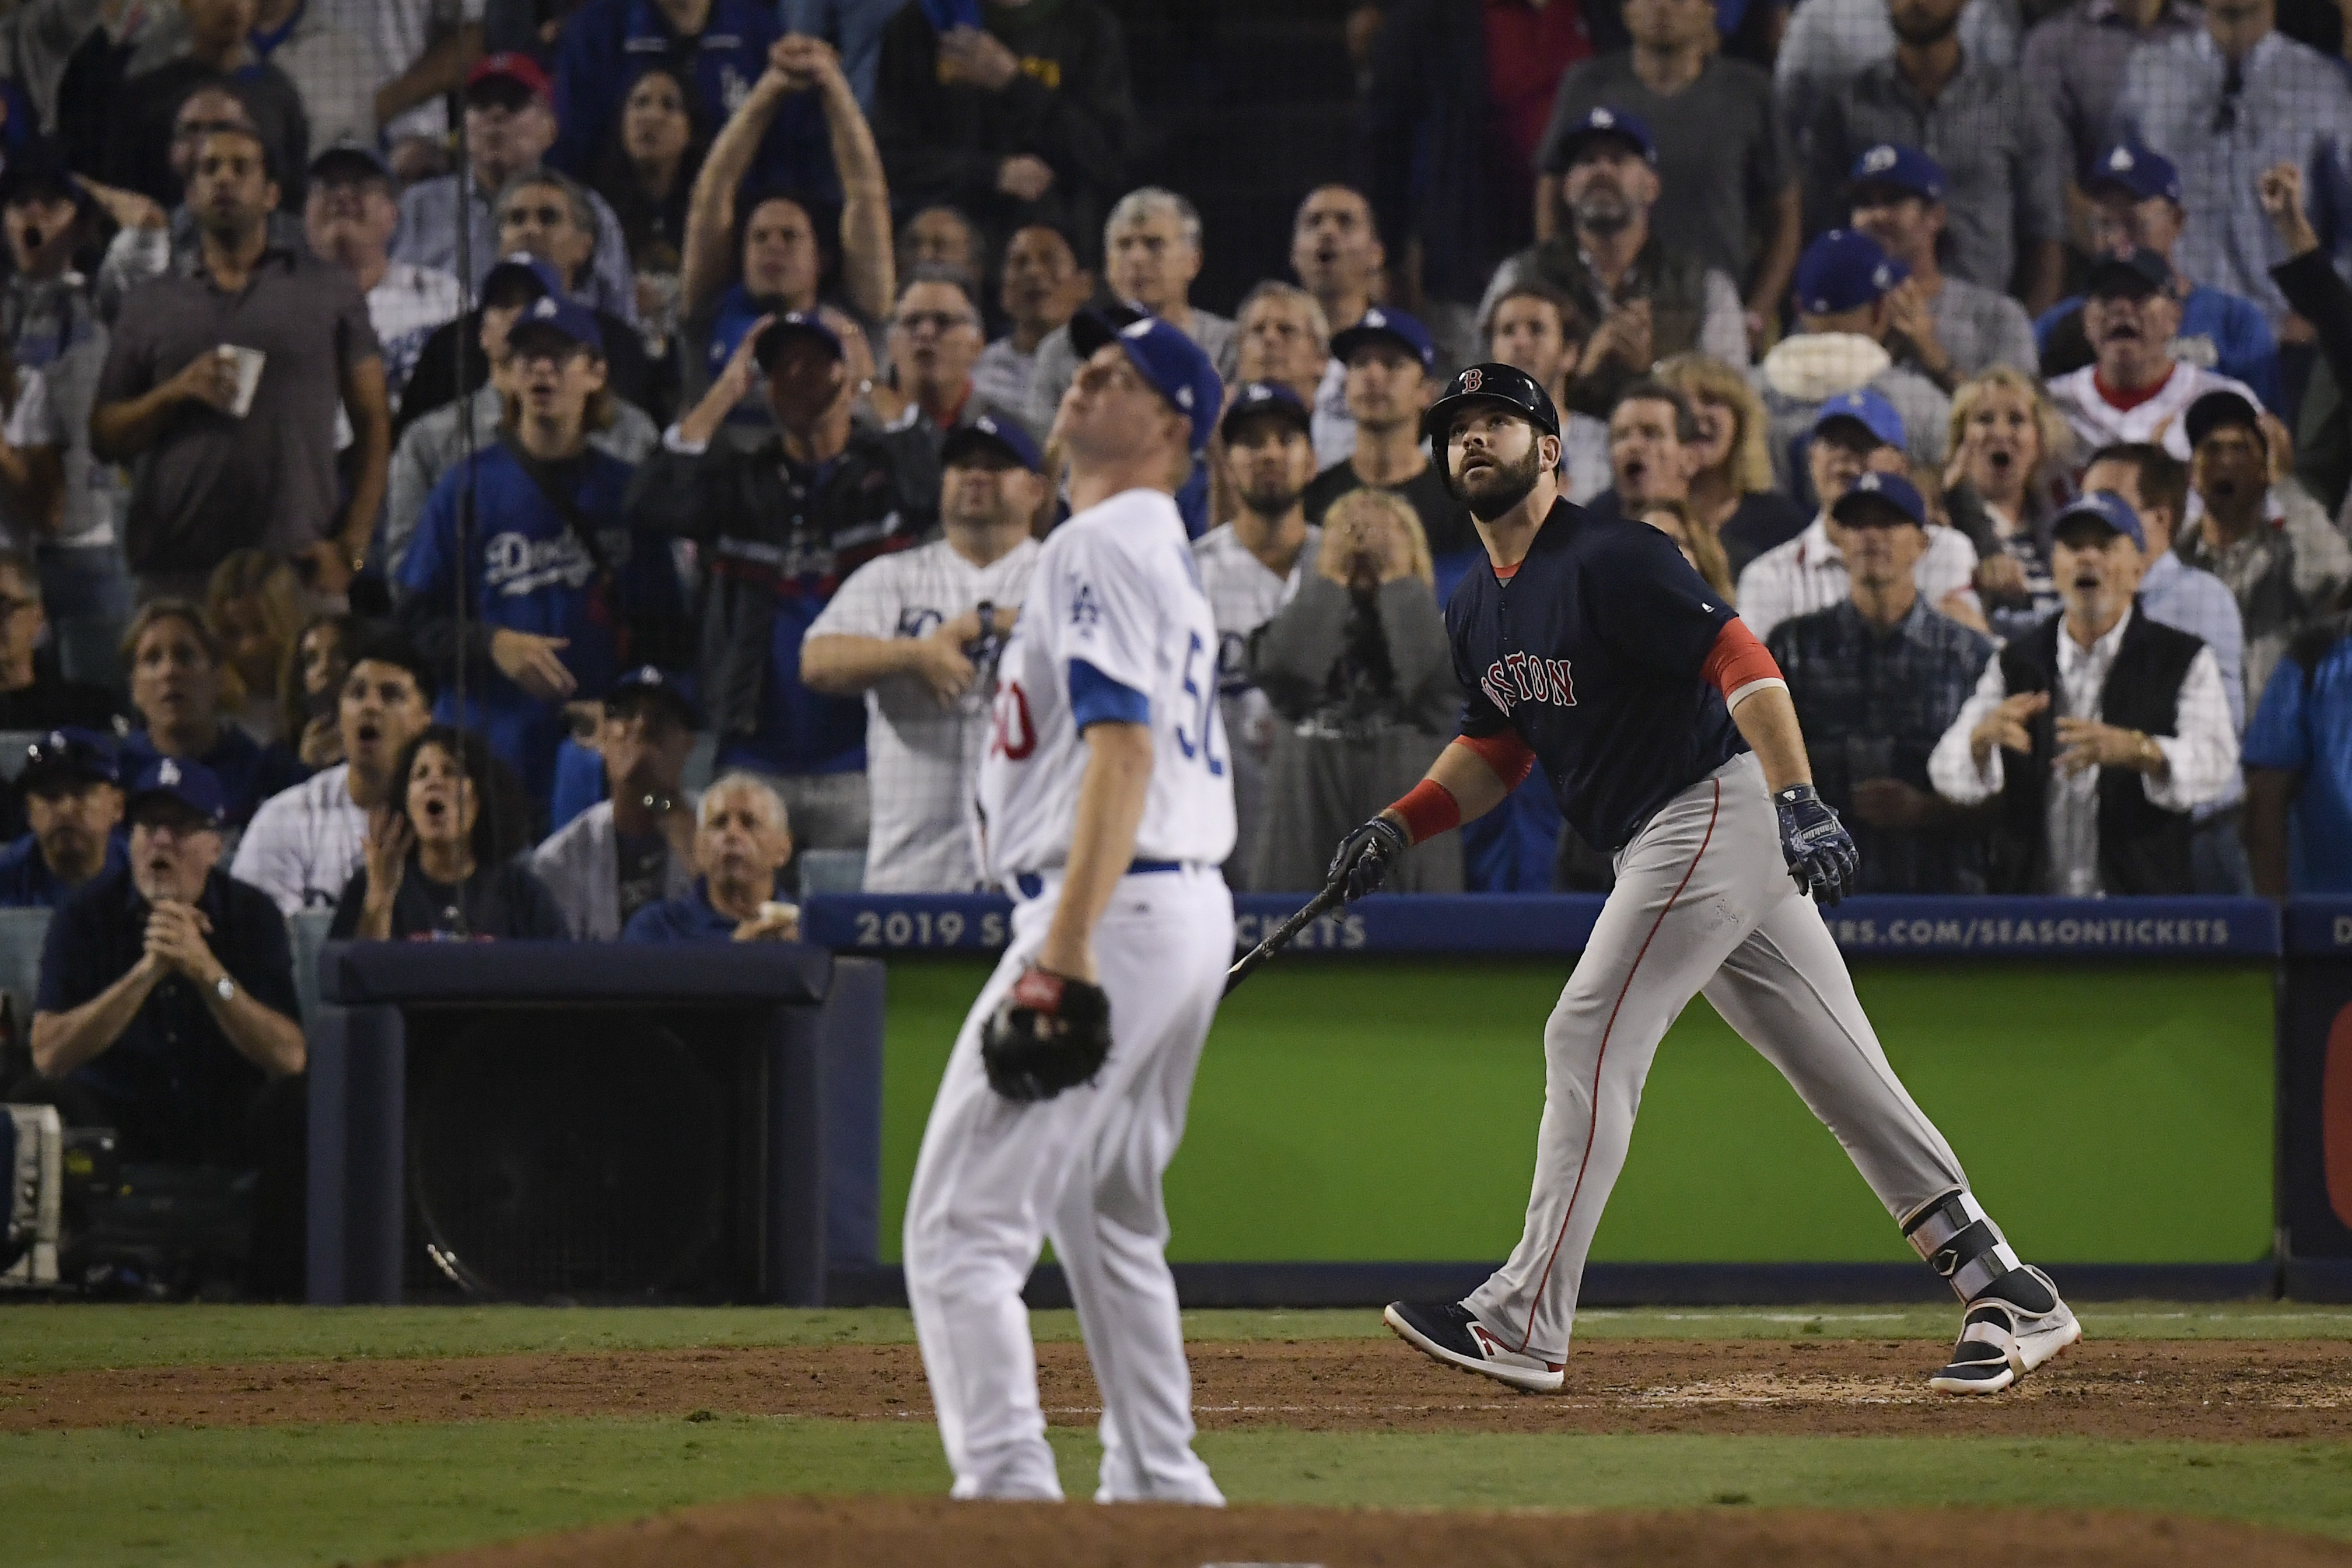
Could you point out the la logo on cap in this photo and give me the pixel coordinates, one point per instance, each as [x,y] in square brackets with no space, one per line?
[2120,158]
[545,308]
[1372,317]
[1603,117]
[169,773]
[1878,160]
[648,672]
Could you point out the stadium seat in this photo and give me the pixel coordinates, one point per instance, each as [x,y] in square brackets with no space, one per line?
[832,871]
[12,751]
[21,931]
[307,933]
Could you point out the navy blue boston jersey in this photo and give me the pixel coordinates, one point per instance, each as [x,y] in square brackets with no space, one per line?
[1592,652]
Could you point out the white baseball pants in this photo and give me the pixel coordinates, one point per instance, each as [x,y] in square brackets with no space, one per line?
[1082,1169]
[1703,903]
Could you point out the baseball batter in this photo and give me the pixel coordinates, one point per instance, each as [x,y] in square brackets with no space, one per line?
[1591,648]
[1105,805]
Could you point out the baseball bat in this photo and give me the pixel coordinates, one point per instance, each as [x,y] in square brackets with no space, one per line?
[1334,894]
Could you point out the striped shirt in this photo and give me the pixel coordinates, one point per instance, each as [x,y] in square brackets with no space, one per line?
[1244,595]
[2292,105]
[304,843]
[2000,144]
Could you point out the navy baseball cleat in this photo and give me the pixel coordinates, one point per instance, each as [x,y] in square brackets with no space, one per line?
[1446,1331]
[2019,1323]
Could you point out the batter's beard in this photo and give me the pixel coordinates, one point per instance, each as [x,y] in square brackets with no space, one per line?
[1511,484]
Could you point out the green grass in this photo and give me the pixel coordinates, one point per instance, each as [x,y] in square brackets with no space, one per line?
[322,1494]
[62,1339]
[1391,1108]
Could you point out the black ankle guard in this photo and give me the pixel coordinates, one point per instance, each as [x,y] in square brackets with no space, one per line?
[1960,1243]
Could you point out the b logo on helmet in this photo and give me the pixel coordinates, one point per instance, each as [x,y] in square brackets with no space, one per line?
[1472,378]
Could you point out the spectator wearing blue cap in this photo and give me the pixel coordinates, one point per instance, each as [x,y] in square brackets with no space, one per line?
[781,525]
[167,1010]
[1392,376]
[2074,60]
[1846,314]
[752,249]
[1151,254]
[1648,299]
[1877,677]
[2223,104]
[2137,385]
[73,804]
[1012,114]
[2133,201]
[636,847]
[560,592]
[1947,329]
[1853,435]
[917,634]
[1251,566]
[1729,176]
[1998,140]
[2096,734]
[432,444]
[2298,760]
[718,46]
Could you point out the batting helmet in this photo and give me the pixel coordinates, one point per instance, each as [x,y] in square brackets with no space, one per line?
[1513,388]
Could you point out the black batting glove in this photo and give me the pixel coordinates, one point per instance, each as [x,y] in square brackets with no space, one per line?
[1365,856]
[1819,851]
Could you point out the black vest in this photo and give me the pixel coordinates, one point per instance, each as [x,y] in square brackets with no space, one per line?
[2143,848]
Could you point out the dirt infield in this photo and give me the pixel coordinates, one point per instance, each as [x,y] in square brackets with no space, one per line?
[878,1533]
[2212,1390]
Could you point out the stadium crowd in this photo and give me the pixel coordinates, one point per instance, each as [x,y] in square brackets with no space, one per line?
[439,433]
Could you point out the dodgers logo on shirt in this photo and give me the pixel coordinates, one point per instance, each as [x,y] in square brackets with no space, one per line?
[1083,609]
[1525,677]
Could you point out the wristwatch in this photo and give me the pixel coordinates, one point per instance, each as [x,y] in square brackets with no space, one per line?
[225,988]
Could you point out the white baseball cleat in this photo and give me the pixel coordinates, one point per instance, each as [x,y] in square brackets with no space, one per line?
[1446,1331]
[2001,1340]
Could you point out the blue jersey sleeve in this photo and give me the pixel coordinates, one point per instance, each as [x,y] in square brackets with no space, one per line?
[2278,737]
[1648,604]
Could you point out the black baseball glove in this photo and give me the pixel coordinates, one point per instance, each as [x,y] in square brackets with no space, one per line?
[1819,851]
[1049,1033]
[1365,856]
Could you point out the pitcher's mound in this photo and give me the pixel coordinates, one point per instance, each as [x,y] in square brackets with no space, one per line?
[880,1533]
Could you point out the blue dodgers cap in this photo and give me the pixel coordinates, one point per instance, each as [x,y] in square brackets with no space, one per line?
[524,269]
[1005,433]
[1381,324]
[1903,168]
[788,325]
[1867,408]
[1893,490]
[1268,397]
[1098,324]
[1174,367]
[2139,171]
[1595,123]
[191,784]
[552,314]
[2133,272]
[1844,270]
[69,755]
[650,680]
[2112,512]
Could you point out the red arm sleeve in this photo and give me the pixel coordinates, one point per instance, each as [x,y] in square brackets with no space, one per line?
[1738,661]
[1429,808]
[1508,755]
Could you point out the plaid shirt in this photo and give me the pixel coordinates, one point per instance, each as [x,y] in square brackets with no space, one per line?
[1874,704]
[2075,61]
[1998,142]
[2292,105]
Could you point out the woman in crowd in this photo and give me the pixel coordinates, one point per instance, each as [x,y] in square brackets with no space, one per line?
[1699,547]
[253,605]
[177,670]
[2011,453]
[1731,496]
[1360,677]
[309,684]
[646,175]
[442,855]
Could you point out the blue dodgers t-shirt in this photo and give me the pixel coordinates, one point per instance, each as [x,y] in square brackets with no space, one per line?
[1592,651]
[2304,726]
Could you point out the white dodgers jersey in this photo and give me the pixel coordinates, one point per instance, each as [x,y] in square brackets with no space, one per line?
[1115,614]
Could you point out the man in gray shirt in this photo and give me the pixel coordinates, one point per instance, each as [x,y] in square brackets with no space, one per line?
[1947,329]
[1730,194]
[2000,143]
[2075,61]
[239,446]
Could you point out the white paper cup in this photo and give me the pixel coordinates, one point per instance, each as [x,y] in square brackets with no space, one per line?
[248,362]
